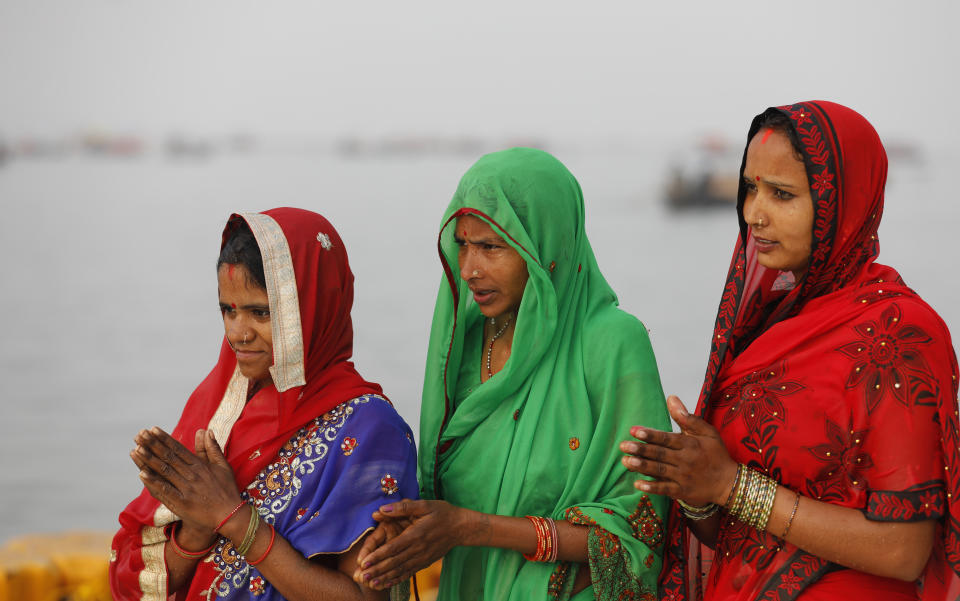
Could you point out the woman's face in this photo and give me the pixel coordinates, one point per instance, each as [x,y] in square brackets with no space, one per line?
[778,206]
[246,321]
[495,272]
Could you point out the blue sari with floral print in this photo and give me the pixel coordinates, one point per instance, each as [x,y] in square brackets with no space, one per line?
[322,488]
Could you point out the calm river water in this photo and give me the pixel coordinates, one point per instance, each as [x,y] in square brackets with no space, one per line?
[109,294]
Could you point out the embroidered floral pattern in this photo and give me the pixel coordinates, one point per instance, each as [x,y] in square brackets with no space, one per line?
[741,542]
[844,461]
[801,570]
[887,361]
[256,586]
[557,585]
[348,445]
[610,568]
[389,484]
[645,524]
[821,182]
[609,564]
[273,492]
[921,502]
[575,515]
[757,398]
[574,443]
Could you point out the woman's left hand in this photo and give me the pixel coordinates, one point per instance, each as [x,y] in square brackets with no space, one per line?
[435,528]
[693,465]
[199,487]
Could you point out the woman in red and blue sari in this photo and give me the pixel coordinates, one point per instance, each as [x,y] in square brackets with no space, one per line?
[283,452]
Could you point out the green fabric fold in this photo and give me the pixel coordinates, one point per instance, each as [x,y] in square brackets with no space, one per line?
[541,436]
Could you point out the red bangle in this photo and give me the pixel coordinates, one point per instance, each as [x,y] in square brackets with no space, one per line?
[229,515]
[273,535]
[172,534]
[546,539]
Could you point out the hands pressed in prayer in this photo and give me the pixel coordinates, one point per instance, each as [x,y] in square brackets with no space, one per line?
[199,487]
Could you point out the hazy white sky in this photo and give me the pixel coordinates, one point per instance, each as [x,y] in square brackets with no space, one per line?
[634,69]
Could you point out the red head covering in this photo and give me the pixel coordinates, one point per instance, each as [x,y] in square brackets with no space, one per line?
[841,386]
[310,290]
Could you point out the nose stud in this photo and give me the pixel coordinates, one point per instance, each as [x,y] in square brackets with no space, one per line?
[760,222]
[245,337]
[476,272]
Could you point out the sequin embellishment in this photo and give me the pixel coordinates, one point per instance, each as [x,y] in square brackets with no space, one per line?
[389,484]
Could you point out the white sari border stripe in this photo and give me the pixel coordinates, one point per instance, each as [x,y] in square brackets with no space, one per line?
[231,406]
[153,577]
[288,366]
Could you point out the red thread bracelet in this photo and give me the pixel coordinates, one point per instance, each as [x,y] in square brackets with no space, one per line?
[229,515]
[273,535]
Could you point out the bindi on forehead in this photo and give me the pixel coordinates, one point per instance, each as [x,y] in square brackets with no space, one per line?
[233,305]
[766,135]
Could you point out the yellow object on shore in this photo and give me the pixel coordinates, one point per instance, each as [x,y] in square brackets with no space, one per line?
[69,566]
[72,566]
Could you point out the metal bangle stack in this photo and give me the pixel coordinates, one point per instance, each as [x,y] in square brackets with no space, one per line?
[753,498]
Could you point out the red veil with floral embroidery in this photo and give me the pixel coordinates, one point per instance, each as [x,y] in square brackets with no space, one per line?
[841,386]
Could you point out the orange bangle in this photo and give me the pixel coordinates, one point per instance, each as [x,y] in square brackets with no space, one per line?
[273,535]
[172,533]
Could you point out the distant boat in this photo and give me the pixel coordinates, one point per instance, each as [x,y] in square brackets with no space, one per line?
[707,177]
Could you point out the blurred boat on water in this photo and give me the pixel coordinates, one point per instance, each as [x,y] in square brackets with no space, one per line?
[704,178]
[354,146]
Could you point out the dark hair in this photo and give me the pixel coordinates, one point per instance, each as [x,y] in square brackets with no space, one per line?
[778,121]
[241,249]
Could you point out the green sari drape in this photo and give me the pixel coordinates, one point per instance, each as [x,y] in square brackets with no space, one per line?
[541,436]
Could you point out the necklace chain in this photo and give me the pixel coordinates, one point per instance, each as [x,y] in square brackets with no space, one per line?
[490,347]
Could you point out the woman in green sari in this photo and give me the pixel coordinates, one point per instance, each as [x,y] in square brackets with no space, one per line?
[532,375]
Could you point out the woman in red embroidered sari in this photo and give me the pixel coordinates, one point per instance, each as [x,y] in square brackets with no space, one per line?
[283,452]
[828,378]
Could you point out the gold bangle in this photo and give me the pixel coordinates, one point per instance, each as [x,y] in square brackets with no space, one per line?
[766,502]
[796,504]
[750,497]
[251,534]
[694,512]
[733,489]
[740,497]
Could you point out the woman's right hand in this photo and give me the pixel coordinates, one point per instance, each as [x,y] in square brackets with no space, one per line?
[692,465]
[434,528]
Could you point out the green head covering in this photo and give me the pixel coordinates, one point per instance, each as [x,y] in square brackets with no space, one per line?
[541,436]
